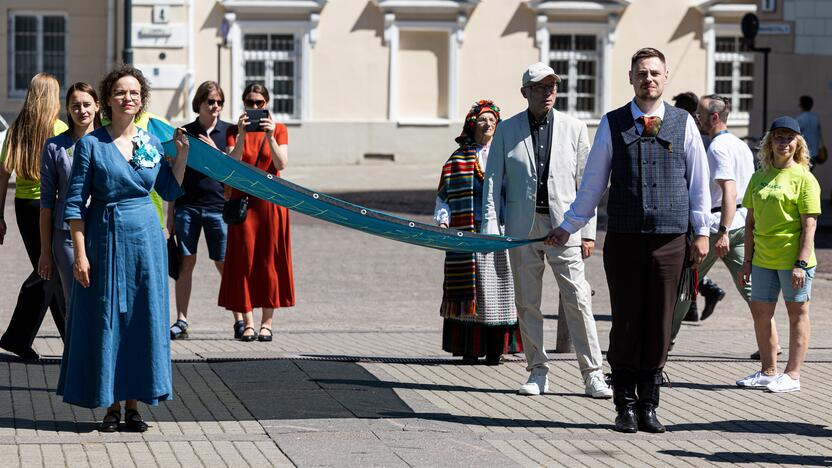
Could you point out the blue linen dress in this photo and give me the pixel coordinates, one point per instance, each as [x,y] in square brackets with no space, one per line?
[117,343]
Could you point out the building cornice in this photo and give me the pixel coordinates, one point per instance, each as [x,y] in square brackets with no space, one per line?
[726,7]
[284,7]
[563,8]
[404,7]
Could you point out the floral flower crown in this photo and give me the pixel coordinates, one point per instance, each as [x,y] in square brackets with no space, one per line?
[470,122]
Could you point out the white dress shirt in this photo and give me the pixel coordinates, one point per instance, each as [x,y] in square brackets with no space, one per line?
[599,165]
[441,210]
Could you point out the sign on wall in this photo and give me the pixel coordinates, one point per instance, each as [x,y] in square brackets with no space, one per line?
[159,35]
[161,14]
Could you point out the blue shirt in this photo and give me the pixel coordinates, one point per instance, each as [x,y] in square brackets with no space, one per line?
[810,128]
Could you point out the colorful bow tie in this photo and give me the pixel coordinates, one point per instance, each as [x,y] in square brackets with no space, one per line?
[651,125]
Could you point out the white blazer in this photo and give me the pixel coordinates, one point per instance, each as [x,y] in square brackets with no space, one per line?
[511,167]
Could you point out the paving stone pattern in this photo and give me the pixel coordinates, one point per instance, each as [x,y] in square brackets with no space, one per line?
[356,376]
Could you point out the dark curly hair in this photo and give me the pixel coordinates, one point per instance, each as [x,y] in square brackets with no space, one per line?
[109,81]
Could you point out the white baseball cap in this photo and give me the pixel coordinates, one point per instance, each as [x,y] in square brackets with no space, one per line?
[538,71]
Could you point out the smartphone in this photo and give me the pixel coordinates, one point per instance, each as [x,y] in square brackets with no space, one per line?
[254,116]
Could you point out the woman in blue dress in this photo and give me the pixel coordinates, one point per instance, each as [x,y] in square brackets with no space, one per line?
[117,345]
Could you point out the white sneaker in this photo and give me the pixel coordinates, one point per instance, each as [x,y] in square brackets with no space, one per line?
[595,386]
[756,380]
[784,383]
[537,384]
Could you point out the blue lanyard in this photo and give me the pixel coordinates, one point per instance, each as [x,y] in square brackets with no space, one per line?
[718,134]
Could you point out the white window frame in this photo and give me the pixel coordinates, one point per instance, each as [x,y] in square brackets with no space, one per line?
[604,33]
[17,93]
[712,31]
[305,32]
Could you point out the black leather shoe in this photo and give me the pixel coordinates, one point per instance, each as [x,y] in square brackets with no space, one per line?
[110,421]
[626,421]
[23,353]
[248,338]
[693,313]
[712,294]
[239,327]
[133,421]
[648,422]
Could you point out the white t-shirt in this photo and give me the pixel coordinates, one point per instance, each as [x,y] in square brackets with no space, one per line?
[729,159]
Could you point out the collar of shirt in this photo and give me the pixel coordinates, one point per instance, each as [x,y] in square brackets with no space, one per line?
[636,112]
[537,124]
[482,156]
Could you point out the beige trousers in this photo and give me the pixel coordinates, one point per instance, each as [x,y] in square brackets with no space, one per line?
[528,265]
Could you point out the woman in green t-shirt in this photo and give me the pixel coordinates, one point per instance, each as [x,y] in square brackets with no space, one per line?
[783,201]
[21,154]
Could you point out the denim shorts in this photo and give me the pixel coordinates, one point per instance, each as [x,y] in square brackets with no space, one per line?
[190,221]
[766,285]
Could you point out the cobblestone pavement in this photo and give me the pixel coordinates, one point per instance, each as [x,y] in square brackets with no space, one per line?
[356,376]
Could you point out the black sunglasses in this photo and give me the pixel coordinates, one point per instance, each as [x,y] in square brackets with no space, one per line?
[254,103]
[218,102]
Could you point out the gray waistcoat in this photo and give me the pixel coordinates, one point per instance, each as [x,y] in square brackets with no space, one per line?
[648,187]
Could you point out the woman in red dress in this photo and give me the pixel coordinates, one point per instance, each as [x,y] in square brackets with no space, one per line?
[258,258]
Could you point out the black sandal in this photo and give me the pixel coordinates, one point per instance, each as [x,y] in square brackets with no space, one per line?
[110,421]
[239,328]
[179,330]
[133,421]
[248,338]
[263,337]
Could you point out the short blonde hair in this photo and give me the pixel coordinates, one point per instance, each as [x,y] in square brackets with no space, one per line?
[766,153]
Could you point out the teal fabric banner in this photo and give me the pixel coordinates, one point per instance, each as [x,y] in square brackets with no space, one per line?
[265,186]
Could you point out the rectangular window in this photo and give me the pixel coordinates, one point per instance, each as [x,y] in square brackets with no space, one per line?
[272,60]
[734,74]
[38,44]
[576,58]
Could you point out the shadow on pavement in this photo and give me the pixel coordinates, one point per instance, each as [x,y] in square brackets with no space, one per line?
[498,422]
[759,457]
[756,427]
[416,386]
[204,392]
[417,202]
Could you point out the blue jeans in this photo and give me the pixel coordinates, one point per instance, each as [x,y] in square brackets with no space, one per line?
[191,221]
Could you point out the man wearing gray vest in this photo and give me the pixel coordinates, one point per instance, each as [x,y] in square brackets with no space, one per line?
[652,155]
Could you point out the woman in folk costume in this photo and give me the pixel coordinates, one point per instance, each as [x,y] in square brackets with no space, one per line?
[478,291]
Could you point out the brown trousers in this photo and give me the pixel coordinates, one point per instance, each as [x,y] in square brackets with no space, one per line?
[643,275]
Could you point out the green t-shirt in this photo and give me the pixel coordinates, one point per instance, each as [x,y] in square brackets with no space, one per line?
[25,188]
[778,198]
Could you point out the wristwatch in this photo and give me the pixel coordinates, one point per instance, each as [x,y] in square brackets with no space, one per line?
[722,229]
[801,264]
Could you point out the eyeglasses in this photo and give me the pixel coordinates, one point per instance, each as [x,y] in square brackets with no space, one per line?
[124,94]
[544,88]
[256,103]
[218,102]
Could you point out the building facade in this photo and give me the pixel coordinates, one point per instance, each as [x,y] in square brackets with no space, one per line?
[365,80]
[799,33]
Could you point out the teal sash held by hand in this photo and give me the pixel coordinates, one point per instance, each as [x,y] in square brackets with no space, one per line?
[249,179]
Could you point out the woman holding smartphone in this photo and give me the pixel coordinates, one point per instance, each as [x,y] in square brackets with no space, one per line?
[258,258]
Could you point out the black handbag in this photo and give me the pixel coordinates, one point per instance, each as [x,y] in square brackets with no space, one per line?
[234,211]
[174,257]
